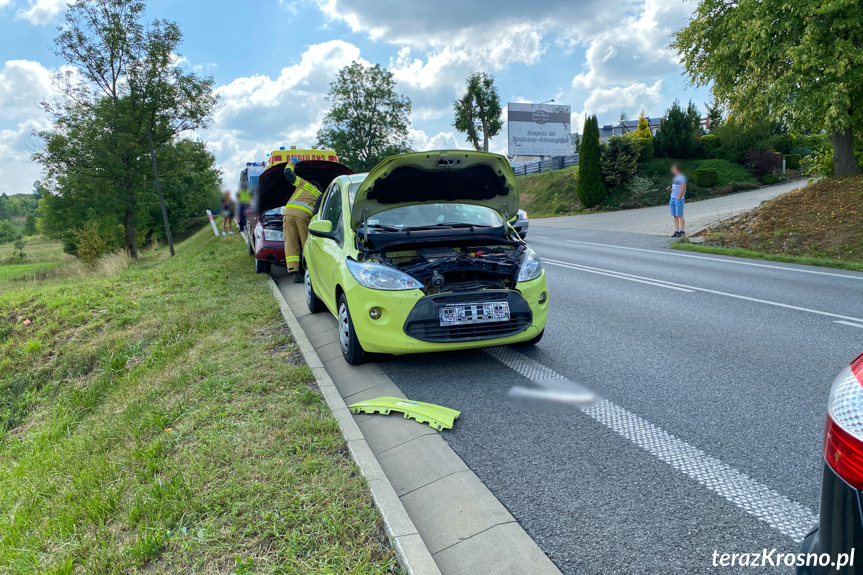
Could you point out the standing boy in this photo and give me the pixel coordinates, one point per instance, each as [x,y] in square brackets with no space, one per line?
[678,194]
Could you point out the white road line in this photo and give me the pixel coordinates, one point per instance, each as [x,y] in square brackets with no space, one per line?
[617,275]
[849,323]
[769,506]
[718,259]
[684,287]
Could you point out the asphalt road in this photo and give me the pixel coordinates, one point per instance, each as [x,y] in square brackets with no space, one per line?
[716,373]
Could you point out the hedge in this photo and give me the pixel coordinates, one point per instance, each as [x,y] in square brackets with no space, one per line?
[705,177]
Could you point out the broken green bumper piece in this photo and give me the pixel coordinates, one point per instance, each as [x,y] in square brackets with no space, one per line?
[436,416]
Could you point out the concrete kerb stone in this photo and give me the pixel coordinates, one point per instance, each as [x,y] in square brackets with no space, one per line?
[410,549]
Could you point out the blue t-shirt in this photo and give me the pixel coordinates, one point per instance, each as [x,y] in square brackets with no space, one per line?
[676,184]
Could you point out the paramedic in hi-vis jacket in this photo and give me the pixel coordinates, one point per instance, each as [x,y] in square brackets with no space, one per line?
[298,212]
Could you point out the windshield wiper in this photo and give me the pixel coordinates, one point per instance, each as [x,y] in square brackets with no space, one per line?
[450,225]
[384,227]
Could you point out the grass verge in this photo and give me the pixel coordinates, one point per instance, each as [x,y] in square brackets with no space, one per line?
[161,420]
[741,253]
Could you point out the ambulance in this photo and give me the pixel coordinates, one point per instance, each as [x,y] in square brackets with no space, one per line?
[273,193]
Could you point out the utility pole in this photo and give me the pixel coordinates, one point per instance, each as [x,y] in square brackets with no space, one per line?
[159,189]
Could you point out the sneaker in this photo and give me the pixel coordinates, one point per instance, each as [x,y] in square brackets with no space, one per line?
[675,234]
[230,233]
[223,233]
[682,233]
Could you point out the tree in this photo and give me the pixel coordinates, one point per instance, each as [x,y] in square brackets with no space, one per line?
[676,138]
[126,86]
[619,161]
[590,188]
[715,115]
[802,64]
[643,130]
[368,120]
[478,110]
[642,139]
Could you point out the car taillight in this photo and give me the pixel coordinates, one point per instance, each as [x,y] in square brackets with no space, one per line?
[843,433]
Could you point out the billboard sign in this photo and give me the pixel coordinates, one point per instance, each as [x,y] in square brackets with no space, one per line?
[539,129]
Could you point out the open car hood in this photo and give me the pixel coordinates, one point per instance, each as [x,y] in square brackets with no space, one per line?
[440,176]
[275,191]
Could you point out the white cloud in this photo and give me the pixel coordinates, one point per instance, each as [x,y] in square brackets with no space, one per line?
[40,12]
[23,84]
[637,49]
[258,114]
[440,141]
[634,96]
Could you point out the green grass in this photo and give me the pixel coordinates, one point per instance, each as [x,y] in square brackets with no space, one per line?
[742,253]
[549,193]
[25,271]
[161,420]
[37,250]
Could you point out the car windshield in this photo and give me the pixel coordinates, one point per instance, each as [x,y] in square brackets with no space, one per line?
[280,211]
[437,215]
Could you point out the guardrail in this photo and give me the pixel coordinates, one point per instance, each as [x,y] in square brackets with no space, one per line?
[539,166]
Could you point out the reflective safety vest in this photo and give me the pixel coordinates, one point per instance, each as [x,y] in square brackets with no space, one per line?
[245,196]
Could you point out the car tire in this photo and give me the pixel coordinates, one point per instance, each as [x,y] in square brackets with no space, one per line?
[262,267]
[531,342]
[352,351]
[312,301]
[251,248]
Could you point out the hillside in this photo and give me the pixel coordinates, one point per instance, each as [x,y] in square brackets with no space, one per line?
[823,220]
[156,417]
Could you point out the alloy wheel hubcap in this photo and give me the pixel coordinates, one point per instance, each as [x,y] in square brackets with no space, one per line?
[344,328]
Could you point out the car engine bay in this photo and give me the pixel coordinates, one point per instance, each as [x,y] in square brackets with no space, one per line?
[467,267]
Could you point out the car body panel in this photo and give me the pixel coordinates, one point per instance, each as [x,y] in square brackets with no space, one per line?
[437,416]
[450,176]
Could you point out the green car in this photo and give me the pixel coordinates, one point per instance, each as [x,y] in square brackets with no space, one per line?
[418,256]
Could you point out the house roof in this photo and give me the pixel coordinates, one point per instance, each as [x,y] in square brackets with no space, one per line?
[621,128]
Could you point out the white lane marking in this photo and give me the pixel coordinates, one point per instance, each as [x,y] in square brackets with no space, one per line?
[720,258]
[849,323]
[767,505]
[701,289]
[618,275]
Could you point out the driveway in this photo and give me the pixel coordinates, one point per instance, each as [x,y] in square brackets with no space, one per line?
[657,220]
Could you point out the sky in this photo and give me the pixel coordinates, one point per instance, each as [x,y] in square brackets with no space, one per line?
[273,61]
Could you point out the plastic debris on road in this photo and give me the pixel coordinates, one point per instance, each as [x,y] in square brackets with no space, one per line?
[437,416]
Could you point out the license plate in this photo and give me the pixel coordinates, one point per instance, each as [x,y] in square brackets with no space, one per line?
[462,314]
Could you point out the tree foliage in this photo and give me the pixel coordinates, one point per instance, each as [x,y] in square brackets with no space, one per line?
[799,62]
[590,188]
[478,111]
[677,132]
[619,161]
[125,83]
[368,120]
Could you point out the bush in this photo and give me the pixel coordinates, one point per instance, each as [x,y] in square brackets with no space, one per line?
[590,188]
[762,162]
[619,161]
[781,143]
[727,172]
[643,146]
[770,179]
[640,186]
[90,244]
[710,145]
[705,177]
[819,164]
[802,151]
[792,161]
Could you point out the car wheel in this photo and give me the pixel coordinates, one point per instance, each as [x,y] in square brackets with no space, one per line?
[536,339]
[262,267]
[315,305]
[352,351]
[251,249]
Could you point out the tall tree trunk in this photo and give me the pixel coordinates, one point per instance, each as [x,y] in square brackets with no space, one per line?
[844,162]
[131,247]
[484,135]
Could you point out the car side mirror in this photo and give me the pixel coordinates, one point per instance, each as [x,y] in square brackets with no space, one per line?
[321,229]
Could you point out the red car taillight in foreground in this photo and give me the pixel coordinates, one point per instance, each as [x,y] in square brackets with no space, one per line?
[843,433]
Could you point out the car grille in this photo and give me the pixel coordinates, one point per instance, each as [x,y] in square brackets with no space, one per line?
[423,323]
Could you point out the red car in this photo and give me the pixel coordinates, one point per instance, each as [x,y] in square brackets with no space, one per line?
[274,191]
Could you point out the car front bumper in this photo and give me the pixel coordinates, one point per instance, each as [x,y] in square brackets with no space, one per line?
[407,319]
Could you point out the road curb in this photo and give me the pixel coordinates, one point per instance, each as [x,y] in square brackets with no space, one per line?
[412,553]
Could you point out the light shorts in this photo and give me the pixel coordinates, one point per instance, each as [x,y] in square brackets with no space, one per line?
[676,207]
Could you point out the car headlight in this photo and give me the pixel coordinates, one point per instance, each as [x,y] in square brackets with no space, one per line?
[382,277]
[522,215]
[274,235]
[531,267]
